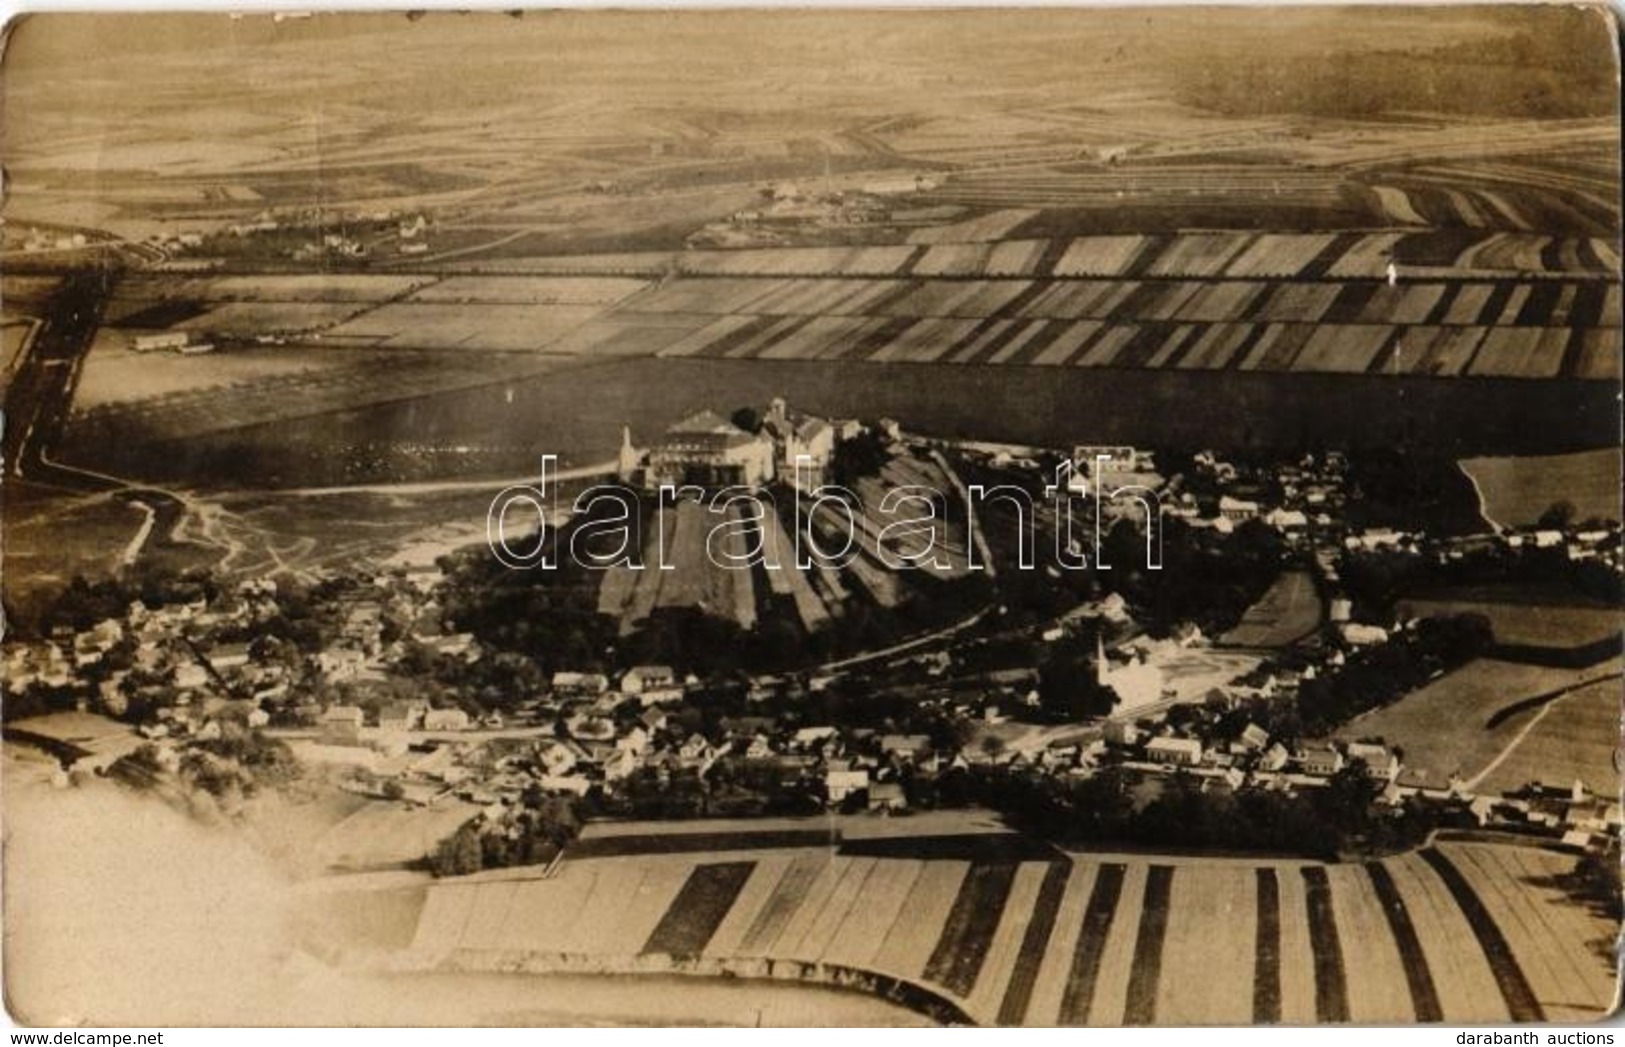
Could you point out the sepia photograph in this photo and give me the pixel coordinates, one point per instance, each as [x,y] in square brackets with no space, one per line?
[812,517]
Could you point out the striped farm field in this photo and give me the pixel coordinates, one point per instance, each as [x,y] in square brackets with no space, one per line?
[1279,303]
[1208,955]
[1279,255]
[1530,916]
[1099,255]
[531,290]
[1460,932]
[1521,352]
[1375,986]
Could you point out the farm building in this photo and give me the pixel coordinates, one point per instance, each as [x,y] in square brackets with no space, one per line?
[1185,752]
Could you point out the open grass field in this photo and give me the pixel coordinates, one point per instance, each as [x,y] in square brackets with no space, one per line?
[1451,726]
[1289,610]
[384,835]
[1516,492]
[1575,737]
[533,290]
[1469,932]
[450,325]
[575,408]
[1526,624]
[113,375]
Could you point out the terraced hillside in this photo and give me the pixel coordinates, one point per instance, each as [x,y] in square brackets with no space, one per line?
[1460,932]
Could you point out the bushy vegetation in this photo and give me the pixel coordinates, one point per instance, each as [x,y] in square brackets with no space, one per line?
[1337,819]
[533,835]
[1376,676]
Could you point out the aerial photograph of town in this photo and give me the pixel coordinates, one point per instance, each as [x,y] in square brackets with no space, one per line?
[887,518]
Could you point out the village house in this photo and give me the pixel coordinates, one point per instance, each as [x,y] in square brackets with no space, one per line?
[341,725]
[841,781]
[696,748]
[812,738]
[1121,732]
[618,765]
[641,678]
[1380,761]
[402,716]
[590,727]
[634,741]
[651,696]
[906,747]
[1275,758]
[1357,634]
[445,720]
[341,663]
[189,676]
[579,683]
[887,797]
[227,656]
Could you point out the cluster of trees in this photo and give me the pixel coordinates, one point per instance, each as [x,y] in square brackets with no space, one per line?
[1068,687]
[218,773]
[1596,881]
[1377,581]
[1376,676]
[550,617]
[1336,819]
[81,603]
[532,836]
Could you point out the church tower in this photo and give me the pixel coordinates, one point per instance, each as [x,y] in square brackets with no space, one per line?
[626,466]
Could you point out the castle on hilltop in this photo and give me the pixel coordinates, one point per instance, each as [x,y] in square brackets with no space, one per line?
[710,451]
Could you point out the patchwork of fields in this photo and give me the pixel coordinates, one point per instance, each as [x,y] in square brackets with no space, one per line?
[485,363]
[1461,932]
